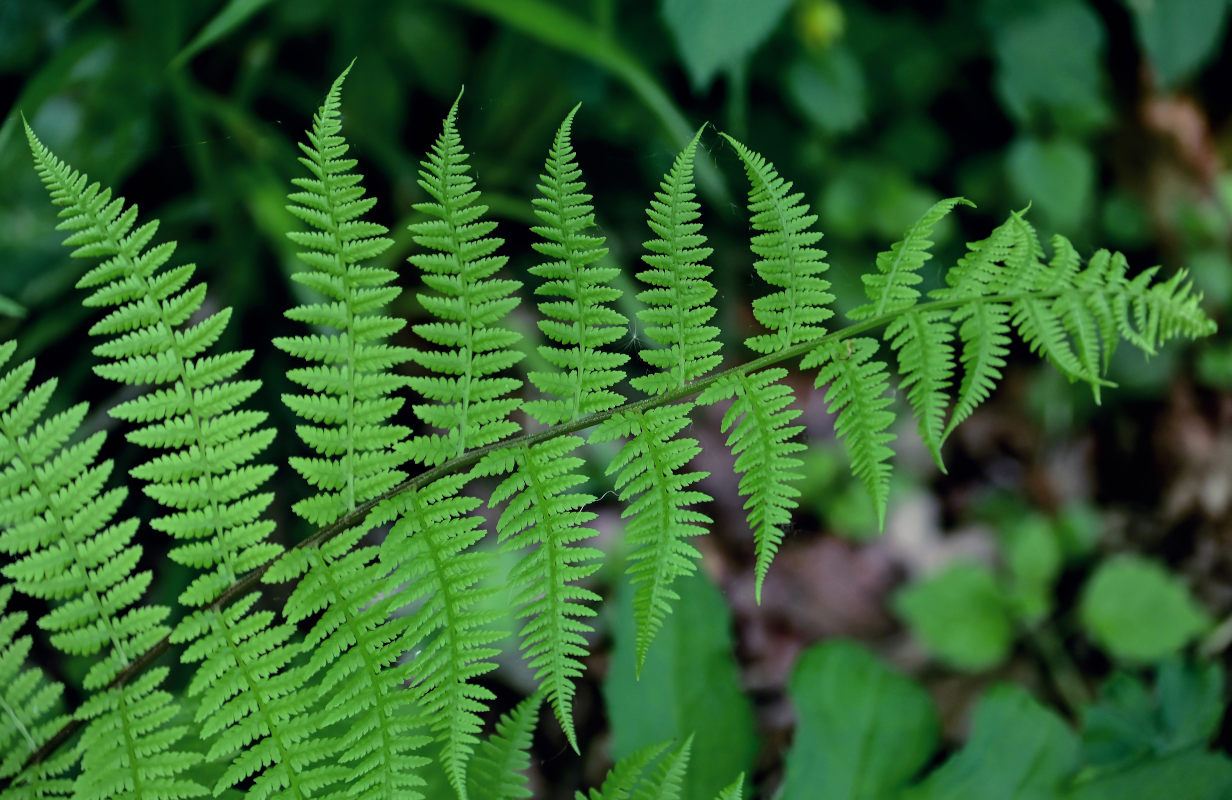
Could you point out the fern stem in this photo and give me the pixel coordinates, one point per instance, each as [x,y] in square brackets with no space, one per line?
[249,581]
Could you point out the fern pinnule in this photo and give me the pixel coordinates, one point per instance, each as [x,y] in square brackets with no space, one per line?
[657,493]
[546,520]
[859,393]
[678,307]
[205,476]
[467,397]
[57,517]
[431,550]
[579,316]
[28,716]
[496,772]
[787,258]
[350,385]
[761,439]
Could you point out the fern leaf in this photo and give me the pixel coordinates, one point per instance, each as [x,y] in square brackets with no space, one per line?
[205,474]
[624,776]
[892,287]
[355,645]
[666,783]
[735,791]
[57,515]
[761,439]
[27,715]
[431,550]
[858,393]
[546,520]
[922,340]
[678,303]
[467,397]
[580,316]
[657,496]
[786,259]
[496,771]
[349,386]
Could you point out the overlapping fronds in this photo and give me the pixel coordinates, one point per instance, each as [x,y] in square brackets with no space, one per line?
[678,309]
[497,770]
[760,436]
[355,644]
[651,481]
[190,410]
[350,386]
[786,258]
[57,517]
[630,777]
[377,642]
[579,316]
[431,549]
[205,474]
[29,715]
[468,397]
[262,726]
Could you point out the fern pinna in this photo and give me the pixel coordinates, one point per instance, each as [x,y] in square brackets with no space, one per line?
[375,662]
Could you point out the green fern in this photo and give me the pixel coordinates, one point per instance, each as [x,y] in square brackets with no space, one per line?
[387,626]
[58,518]
[469,400]
[496,772]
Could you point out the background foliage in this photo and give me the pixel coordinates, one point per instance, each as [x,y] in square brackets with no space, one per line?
[1069,548]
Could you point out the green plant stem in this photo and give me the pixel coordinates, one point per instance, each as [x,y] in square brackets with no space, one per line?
[1064,674]
[469,459]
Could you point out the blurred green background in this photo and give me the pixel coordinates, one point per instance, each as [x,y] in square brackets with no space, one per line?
[1109,118]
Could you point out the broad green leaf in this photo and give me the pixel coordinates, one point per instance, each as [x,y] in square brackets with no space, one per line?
[235,14]
[1033,558]
[713,35]
[1131,721]
[829,90]
[1137,611]
[1050,62]
[11,308]
[1017,750]
[689,685]
[862,730]
[1057,176]
[959,615]
[1178,36]
[1185,776]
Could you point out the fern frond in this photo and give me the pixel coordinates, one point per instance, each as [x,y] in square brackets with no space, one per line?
[27,715]
[922,340]
[468,399]
[355,644]
[657,496]
[761,439]
[678,307]
[892,287]
[496,771]
[252,705]
[667,781]
[786,259]
[205,476]
[546,520]
[624,776]
[431,550]
[859,394]
[734,791]
[351,384]
[582,320]
[57,515]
